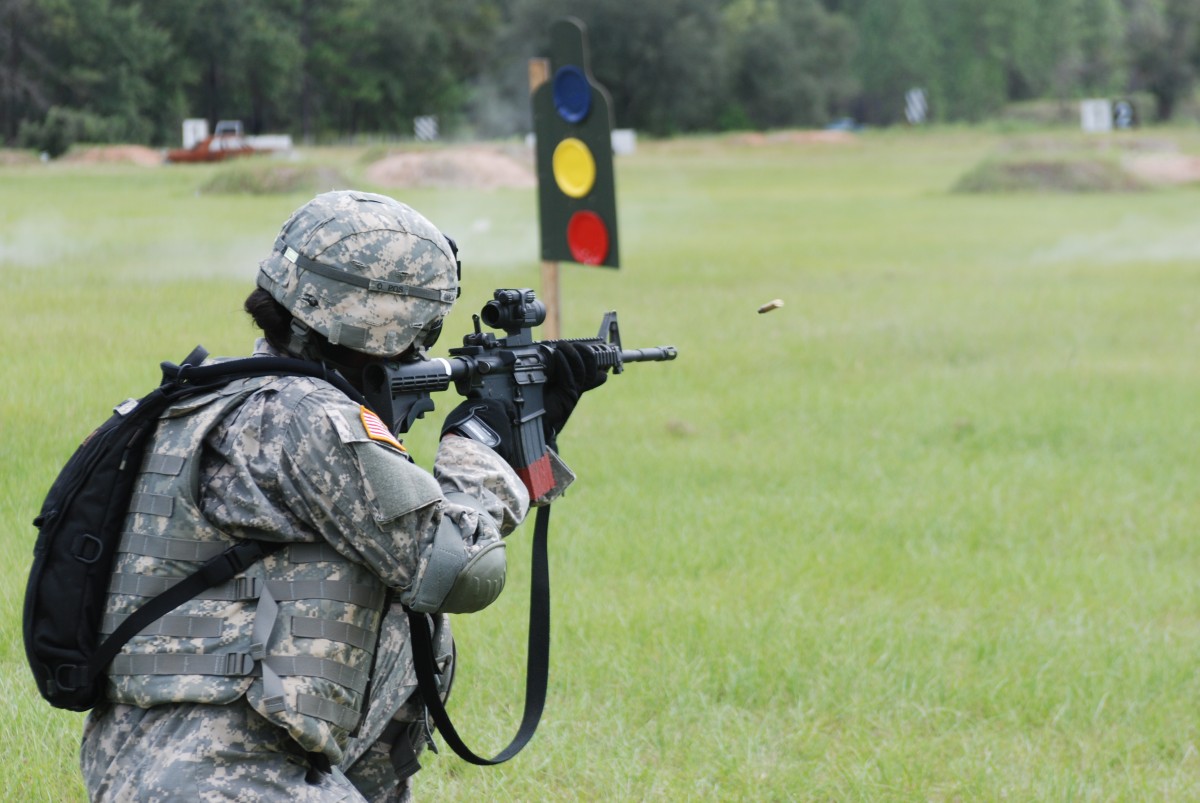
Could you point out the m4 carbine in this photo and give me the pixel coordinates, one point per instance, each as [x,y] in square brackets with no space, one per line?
[511,369]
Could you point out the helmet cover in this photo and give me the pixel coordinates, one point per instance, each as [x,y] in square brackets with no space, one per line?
[364,270]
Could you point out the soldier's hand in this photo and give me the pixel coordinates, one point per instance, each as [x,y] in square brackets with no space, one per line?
[572,371]
[489,421]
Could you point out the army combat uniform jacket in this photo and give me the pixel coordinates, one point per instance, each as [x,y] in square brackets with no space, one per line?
[304,655]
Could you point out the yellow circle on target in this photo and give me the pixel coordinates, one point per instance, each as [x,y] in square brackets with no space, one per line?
[574,167]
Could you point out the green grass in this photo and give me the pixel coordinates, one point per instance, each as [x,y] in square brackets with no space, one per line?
[927,532]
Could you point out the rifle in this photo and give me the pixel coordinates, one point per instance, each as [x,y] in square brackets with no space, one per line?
[511,369]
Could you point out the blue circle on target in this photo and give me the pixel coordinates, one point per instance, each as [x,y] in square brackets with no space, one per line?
[572,94]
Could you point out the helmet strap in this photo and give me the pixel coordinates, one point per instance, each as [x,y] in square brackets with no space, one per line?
[305,344]
[302,344]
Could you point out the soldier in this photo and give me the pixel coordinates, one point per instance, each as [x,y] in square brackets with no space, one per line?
[294,681]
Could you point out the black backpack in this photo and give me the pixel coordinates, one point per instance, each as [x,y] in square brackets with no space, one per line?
[80,525]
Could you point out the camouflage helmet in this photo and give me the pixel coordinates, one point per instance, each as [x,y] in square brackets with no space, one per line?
[365,271]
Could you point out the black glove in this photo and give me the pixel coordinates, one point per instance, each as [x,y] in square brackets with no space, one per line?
[489,421]
[572,371]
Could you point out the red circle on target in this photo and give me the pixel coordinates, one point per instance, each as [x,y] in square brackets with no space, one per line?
[587,237]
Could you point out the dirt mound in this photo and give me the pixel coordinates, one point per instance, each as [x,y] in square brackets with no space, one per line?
[458,168]
[12,156]
[1048,173]
[113,154]
[823,137]
[256,177]
[1090,143]
[831,137]
[1164,168]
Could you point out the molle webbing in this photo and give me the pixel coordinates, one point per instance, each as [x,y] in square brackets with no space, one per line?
[239,664]
[169,546]
[273,669]
[171,537]
[231,664]
[310,627]
[190,549]
[312,553]
[152,504]
[243,589]
[170,625]
[168,464]
[158,546]
[343,716]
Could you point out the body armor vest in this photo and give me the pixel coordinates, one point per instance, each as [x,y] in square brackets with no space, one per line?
[294,634]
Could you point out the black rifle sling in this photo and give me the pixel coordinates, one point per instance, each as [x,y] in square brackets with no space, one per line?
[537,665]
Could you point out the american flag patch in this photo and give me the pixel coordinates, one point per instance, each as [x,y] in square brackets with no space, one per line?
[377,430]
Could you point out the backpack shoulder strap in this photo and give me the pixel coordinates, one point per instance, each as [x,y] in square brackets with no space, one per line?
[214,571]
[206,377]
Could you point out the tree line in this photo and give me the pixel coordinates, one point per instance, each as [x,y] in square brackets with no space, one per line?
[132,70]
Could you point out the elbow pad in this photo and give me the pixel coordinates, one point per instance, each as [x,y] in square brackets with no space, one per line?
[455,582]
[479,582]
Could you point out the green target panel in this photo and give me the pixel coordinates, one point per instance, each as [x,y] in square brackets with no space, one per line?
[572,116]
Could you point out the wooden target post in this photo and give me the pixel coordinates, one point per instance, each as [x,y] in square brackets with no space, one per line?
[539,73]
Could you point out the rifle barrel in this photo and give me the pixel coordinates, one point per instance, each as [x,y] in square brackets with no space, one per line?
[658,354]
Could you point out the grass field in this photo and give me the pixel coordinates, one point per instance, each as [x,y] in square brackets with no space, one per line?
[928,532]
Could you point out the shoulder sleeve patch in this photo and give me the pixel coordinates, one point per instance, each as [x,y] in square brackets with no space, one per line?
[377,430]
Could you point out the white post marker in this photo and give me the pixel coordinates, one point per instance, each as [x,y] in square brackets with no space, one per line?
[916,106]
[1096,115]
[426,128]
[624,141]
[195,129]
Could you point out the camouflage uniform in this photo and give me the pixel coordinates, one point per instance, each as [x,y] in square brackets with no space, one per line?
[290,460]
